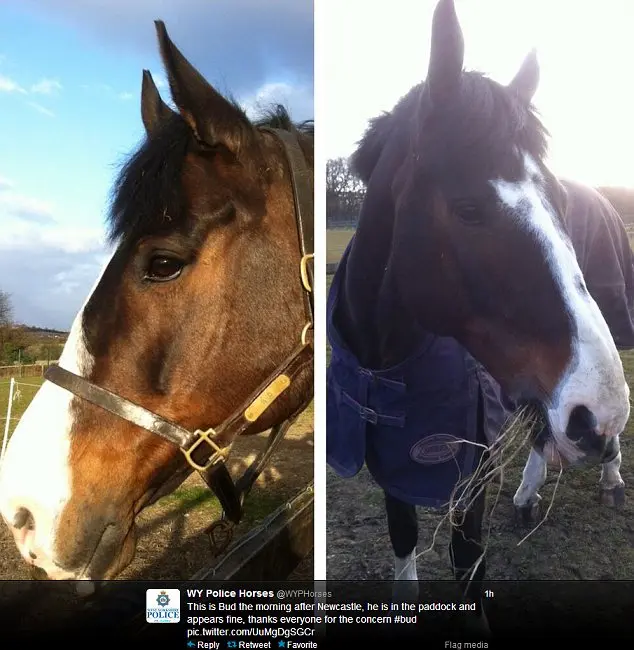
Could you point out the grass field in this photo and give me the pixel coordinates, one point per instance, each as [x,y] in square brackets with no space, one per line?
[336,242]
[26,389]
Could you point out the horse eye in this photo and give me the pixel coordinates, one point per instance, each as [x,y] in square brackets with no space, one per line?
[162,268]
[469,213]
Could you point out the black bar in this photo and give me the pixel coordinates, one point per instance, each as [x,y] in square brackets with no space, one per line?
[536,614]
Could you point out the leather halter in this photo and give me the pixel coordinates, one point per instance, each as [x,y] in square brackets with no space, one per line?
[206,450]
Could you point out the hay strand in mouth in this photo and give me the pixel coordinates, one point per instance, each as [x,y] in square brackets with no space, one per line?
[516,433]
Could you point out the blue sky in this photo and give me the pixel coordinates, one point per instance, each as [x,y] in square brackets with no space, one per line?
[70,79]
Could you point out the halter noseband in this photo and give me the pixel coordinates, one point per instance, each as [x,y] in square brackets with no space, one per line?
[206,450]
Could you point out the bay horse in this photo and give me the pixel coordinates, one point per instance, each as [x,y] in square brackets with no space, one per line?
[198,330]
[604,254]
[459,294]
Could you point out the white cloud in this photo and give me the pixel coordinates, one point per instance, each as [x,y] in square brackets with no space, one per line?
[49,286]
[298,99]
[8,85]
[46,87]
[108,90]
[23,208]
[160,81]
[41,109]
[29,221]
[22,234]
[97,87]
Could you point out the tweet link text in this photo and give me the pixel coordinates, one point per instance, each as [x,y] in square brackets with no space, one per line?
[287,618]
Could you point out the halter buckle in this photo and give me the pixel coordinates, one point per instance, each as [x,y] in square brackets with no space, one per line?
[303,271]
[304,336]
[220,534]
[203,436]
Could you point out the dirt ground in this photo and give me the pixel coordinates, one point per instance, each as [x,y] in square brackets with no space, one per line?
[171,545]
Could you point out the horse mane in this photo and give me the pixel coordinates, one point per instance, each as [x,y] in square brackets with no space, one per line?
[364,159]
[481,112]
[278,117]
[147,194]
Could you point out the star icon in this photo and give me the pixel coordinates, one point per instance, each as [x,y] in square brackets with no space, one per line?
[281,644]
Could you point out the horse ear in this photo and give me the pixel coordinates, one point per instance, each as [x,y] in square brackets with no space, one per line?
[154,110]
[525,82]
[213,119]
[447,53]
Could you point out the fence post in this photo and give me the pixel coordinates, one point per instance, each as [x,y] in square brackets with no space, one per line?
[5,439]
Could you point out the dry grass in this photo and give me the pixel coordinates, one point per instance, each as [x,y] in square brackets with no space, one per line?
[26,389]
[336,242]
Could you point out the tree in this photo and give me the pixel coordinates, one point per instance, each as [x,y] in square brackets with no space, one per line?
[344,191]
[6,309]
[13,339]
[6,322]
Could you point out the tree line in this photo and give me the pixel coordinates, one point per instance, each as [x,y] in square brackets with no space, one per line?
[19,344]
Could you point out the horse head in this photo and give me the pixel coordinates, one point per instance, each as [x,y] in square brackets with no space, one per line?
[474,241]
[200,302]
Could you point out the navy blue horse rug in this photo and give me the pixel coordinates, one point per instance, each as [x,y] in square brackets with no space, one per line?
[415,425]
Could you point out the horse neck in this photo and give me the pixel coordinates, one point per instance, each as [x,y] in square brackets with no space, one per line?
[370,311]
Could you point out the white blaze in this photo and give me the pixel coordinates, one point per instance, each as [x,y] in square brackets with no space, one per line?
[35,473]
[594,377]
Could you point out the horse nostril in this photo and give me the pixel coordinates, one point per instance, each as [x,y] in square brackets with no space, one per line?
[581,423]
[23,517]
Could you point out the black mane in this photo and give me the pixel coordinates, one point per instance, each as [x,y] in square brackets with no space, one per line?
[277,117]
[483,114]
[147,195]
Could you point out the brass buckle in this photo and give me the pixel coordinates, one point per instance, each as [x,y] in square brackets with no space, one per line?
[220,534]
[303,271]
[203,436]
[304,336]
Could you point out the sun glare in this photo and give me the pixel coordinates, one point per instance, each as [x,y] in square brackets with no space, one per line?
[377,53]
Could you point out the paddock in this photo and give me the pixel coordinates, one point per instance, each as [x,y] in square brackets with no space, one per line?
[336,241]
[579,540]
[171,544]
